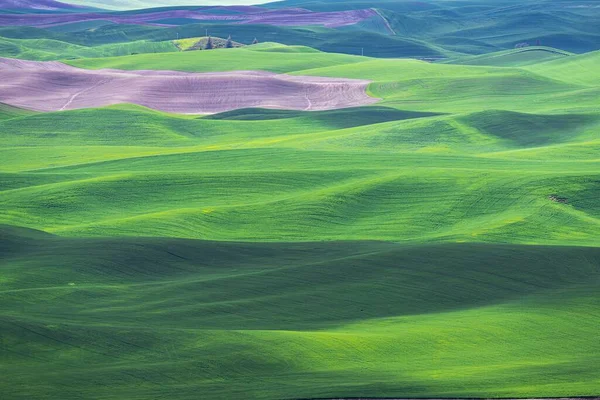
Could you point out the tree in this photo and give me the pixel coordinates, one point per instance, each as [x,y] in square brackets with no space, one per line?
[255,41]
[229,44]
[209,44]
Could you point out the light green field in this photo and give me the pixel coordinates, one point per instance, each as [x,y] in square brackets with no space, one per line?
[188,43]
[580,70]
[247,58]
[444,242]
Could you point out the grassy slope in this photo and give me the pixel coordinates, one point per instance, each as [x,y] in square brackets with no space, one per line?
[580,70]
[246,58]
[484,172]
[331,40]
[49,49]
[9,112]
[403,84]
[477,27]
[513,58]
[453,162]
[151,318]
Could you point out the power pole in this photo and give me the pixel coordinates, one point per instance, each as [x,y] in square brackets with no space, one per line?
[362,51]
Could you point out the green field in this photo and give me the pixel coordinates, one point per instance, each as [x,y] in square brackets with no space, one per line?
[152,318]
[444,242]
[49,49]
[513,58]
[257,57]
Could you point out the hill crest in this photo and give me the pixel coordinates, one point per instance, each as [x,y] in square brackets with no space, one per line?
[36,5]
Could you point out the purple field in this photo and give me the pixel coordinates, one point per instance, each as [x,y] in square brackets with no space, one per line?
[33,5]
[53,86]
[239,15]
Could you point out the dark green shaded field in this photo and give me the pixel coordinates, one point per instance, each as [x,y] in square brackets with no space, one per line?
[153,318]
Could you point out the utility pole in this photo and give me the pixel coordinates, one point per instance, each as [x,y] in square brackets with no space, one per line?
[206,32]
[362,51]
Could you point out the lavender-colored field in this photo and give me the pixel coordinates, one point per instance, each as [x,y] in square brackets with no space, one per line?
[42,5]
[53,86]
[237,15]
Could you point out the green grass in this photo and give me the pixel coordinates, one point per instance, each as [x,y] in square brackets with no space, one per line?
[416,167]
[579,70]
[331,40]
[247,58]
[274,47]
[49,49]
[382,174]
[148,318]
[412,248]
[8,112]
[514,58]
[403,84]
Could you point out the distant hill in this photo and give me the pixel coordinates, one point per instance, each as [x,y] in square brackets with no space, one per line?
[137,4]
[352,41]
[479,26]
[513,58]
[45,5]
[431,30]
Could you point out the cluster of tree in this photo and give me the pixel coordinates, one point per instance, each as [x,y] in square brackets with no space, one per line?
[209,44]
[228,45]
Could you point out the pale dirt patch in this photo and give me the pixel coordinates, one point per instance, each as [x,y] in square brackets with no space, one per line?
[53,86]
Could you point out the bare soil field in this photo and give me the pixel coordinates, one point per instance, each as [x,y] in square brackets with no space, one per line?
[53,86]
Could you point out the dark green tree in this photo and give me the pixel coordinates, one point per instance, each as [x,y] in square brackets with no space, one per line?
[229,44]
[209,44]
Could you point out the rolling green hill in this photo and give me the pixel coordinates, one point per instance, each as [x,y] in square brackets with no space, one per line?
[431,162]
[404,84]
[146,318]
[246,58]
[513,58]
[444,242]
[49,49]
[478,27]
[349,41]
[580,70]
[424,30]
[8,112]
